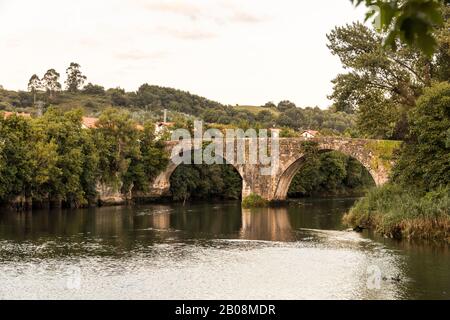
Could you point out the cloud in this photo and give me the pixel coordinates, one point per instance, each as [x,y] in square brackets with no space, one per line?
[194,34]
[13,42]
[89,42]
[239,15]
[219,12]
[244,17]
[137,55]
[175,7]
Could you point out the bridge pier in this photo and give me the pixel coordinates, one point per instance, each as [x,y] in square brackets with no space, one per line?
[255,183]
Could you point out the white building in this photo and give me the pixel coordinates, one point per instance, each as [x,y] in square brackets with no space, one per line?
[309,134]
[162,127]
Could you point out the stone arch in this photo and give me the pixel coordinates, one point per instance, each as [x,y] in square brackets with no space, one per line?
[291,169]
[161,184]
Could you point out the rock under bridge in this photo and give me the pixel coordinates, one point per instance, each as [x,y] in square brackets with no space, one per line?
[375,155]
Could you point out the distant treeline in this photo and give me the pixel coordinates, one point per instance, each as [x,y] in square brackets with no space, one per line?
[150,101]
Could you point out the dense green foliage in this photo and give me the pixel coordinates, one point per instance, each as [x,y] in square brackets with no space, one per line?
[75,161]
[399,213]
[425,159]
[331,174]
[197,182]
[52,158]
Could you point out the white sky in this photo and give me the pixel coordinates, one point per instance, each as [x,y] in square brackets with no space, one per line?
[233,51]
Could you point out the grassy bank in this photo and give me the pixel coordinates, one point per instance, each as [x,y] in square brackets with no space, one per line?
[398,213]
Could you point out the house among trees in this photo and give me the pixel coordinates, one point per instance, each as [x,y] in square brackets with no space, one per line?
[89,123]
[7,114]
[161,127]
[309,134]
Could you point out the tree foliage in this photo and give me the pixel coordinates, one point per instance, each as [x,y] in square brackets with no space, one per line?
[34,84]
[425,159]
[413,22]
[53,158]
[50,82]
[205,182]
[330,173]
[75,78]
[93,89]
[379,80]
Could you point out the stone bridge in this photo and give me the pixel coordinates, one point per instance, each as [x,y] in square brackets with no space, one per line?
[375,155]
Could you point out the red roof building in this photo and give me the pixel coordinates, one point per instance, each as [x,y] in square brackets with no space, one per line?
[310,134]
[89,123]
[8,114]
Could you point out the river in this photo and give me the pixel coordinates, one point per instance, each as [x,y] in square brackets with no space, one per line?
[212,251]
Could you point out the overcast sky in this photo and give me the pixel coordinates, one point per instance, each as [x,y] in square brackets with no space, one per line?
[232,51]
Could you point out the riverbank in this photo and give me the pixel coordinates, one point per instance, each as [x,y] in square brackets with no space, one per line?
[403,214]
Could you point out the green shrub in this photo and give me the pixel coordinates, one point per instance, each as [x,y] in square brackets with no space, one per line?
[399,213]
[90,105]
[254,201]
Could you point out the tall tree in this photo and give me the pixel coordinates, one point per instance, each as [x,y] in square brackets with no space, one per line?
[50,82]
[64,132]
[117,139]
[146,162]
[34,84]
[75,79]
[378,77]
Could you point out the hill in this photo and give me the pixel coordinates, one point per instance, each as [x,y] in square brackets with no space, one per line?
[256,109]
[149,101]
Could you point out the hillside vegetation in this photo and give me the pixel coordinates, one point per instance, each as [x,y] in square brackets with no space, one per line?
[257,109]
[149,101]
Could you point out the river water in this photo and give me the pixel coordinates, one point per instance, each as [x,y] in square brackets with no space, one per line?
[212,251]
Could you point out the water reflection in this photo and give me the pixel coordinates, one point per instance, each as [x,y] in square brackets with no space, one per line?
[194,221]
[211,251]
[266,224]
